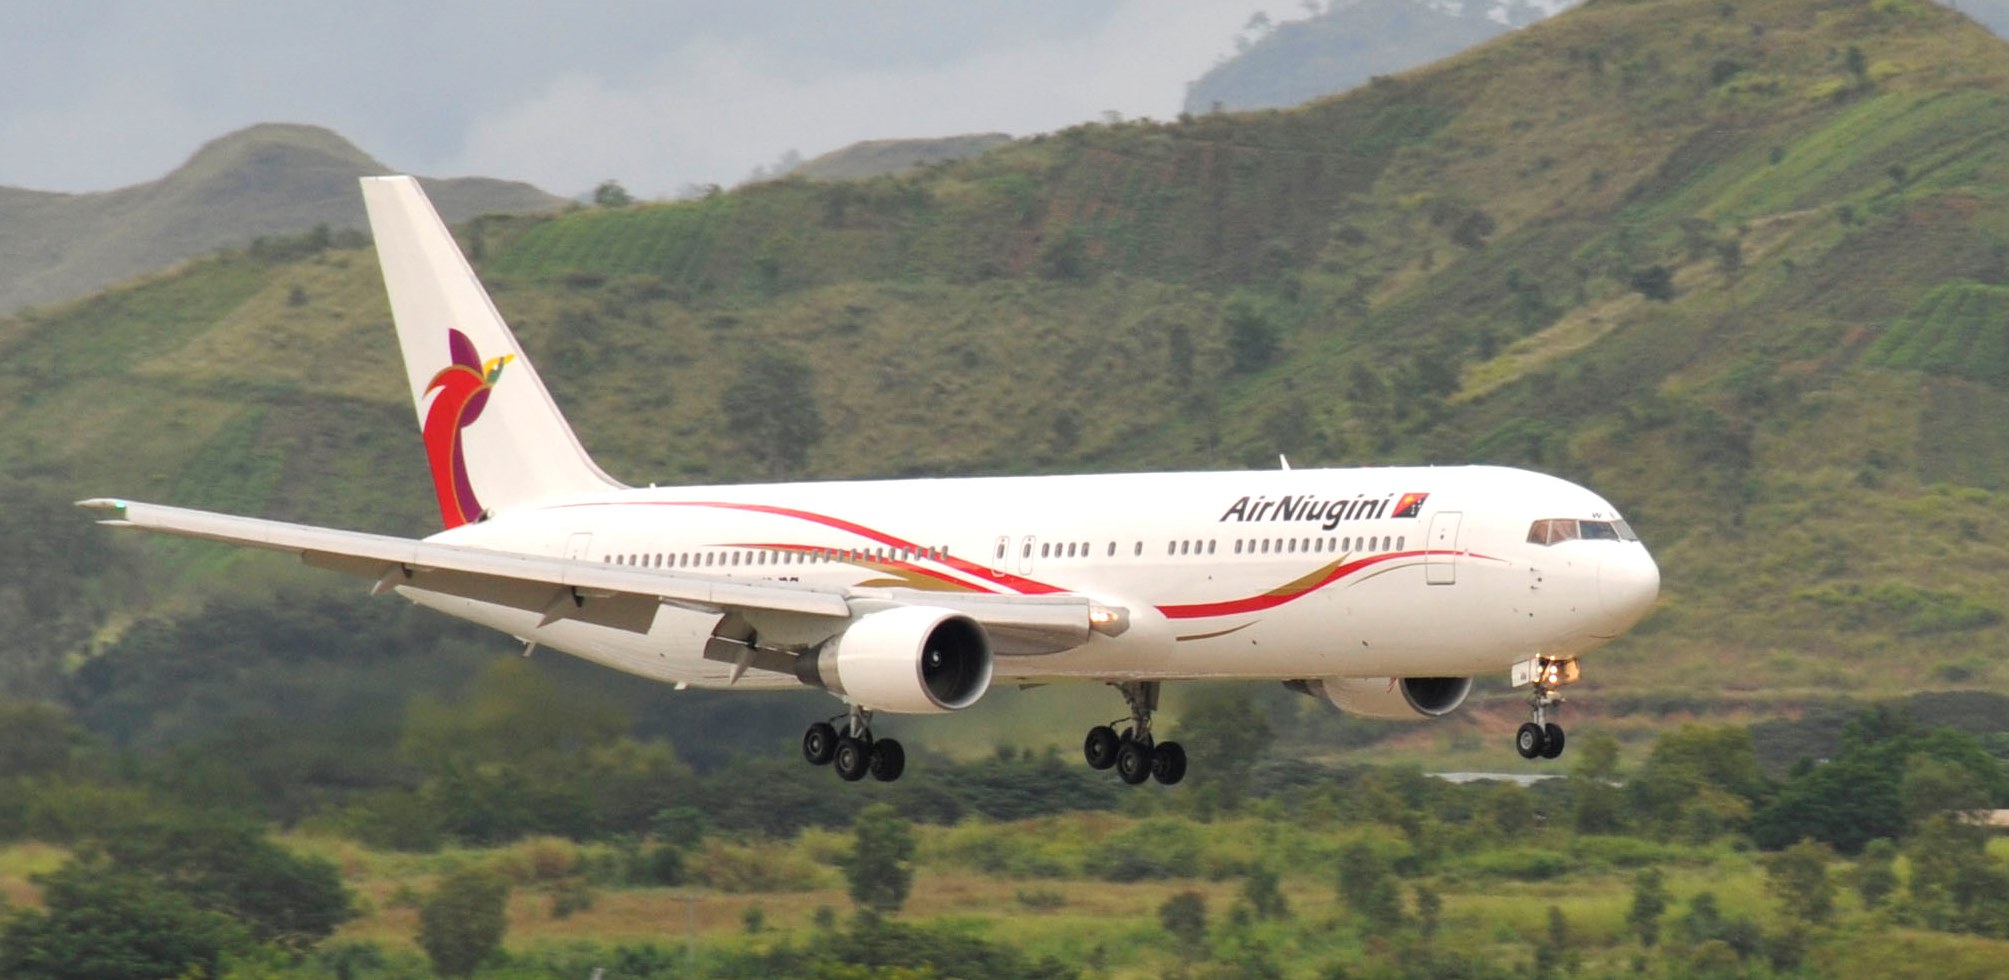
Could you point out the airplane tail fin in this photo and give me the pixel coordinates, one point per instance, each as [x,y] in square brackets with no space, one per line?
[494,438]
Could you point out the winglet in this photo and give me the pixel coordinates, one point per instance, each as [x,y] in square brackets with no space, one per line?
[117,507]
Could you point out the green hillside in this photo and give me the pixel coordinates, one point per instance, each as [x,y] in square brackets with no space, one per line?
[265,180]
[872,158]
[1740,267]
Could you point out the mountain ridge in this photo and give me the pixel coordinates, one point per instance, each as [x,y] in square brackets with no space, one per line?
[266,180]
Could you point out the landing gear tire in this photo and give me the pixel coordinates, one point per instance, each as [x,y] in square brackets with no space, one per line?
[888,760]
[1529,740]
[819,743]
[1101,747]
[1133,762]
[1552,740]
[1168,763]
[852,759]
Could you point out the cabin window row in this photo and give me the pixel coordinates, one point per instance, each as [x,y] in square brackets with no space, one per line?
[1192,546]
[757,557]
[1324,545]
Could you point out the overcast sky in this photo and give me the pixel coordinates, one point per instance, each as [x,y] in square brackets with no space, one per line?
[659,94]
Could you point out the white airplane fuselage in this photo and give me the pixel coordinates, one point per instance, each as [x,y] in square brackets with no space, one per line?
[1282,575]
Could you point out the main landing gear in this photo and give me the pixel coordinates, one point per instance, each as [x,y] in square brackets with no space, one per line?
[854,753]
[1133,753]
[1542,737]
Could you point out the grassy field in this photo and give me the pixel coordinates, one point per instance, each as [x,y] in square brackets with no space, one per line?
[1496,903]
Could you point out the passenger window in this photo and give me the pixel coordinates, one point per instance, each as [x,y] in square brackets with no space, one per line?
[1139,552]
[1112,549]
[1399,542]
[1043,551]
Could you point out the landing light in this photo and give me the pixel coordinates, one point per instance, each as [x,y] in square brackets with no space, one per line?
[1108,620]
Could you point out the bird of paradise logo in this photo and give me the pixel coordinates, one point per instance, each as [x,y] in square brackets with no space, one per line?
[463,387]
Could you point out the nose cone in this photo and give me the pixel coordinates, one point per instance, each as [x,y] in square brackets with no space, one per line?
[1627,584]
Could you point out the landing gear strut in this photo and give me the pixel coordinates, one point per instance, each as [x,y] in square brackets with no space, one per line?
[854,752]
[1542,737]
[1132,752]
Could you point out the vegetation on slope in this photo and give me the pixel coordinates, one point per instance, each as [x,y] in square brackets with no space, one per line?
[1729,264]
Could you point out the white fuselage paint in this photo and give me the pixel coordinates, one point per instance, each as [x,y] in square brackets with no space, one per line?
[1212,590]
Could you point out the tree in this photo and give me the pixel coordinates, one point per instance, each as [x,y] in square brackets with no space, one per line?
[1932,787]
[1859,795]
[1798,878]
[1875,878]
[1225,732]
[1597,803]
[462,922]
[290,901]
[1265,899]
[772,411]
[106,924]
[1367,886]
[880,867]
[1649,902]
[1252,332]
[1429,908]
[1698,782]
[1552,949]
[610,194]
[1184,917]
[1654,282]
[1954,883]
[1066,257]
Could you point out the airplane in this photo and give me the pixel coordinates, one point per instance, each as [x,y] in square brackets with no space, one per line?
[1380,590]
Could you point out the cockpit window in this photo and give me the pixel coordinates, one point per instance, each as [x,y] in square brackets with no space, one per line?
[1558,529]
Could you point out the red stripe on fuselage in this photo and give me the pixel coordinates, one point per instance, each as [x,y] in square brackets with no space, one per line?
[1026,586]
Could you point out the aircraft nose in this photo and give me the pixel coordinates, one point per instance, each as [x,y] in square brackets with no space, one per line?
[1627,585]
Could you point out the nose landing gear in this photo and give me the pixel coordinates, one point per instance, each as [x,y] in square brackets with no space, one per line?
[1542,737]
[854,753]
[1132,752]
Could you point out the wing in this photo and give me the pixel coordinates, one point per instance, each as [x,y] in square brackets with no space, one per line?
[619,596]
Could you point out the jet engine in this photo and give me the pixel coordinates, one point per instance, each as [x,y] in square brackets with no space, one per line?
[1389,698]
[907,660]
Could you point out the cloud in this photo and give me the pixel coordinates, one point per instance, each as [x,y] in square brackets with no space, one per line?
[712,109]
[658,93]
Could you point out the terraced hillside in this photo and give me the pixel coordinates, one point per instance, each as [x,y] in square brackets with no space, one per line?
[1737,265]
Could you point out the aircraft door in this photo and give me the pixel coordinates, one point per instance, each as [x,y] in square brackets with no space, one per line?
[1025,546]
[1001,557]
[1440,559]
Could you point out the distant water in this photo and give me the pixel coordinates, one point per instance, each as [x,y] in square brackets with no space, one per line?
[1523,778]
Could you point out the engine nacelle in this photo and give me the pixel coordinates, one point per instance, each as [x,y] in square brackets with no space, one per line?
[1389,698]
[915,660]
